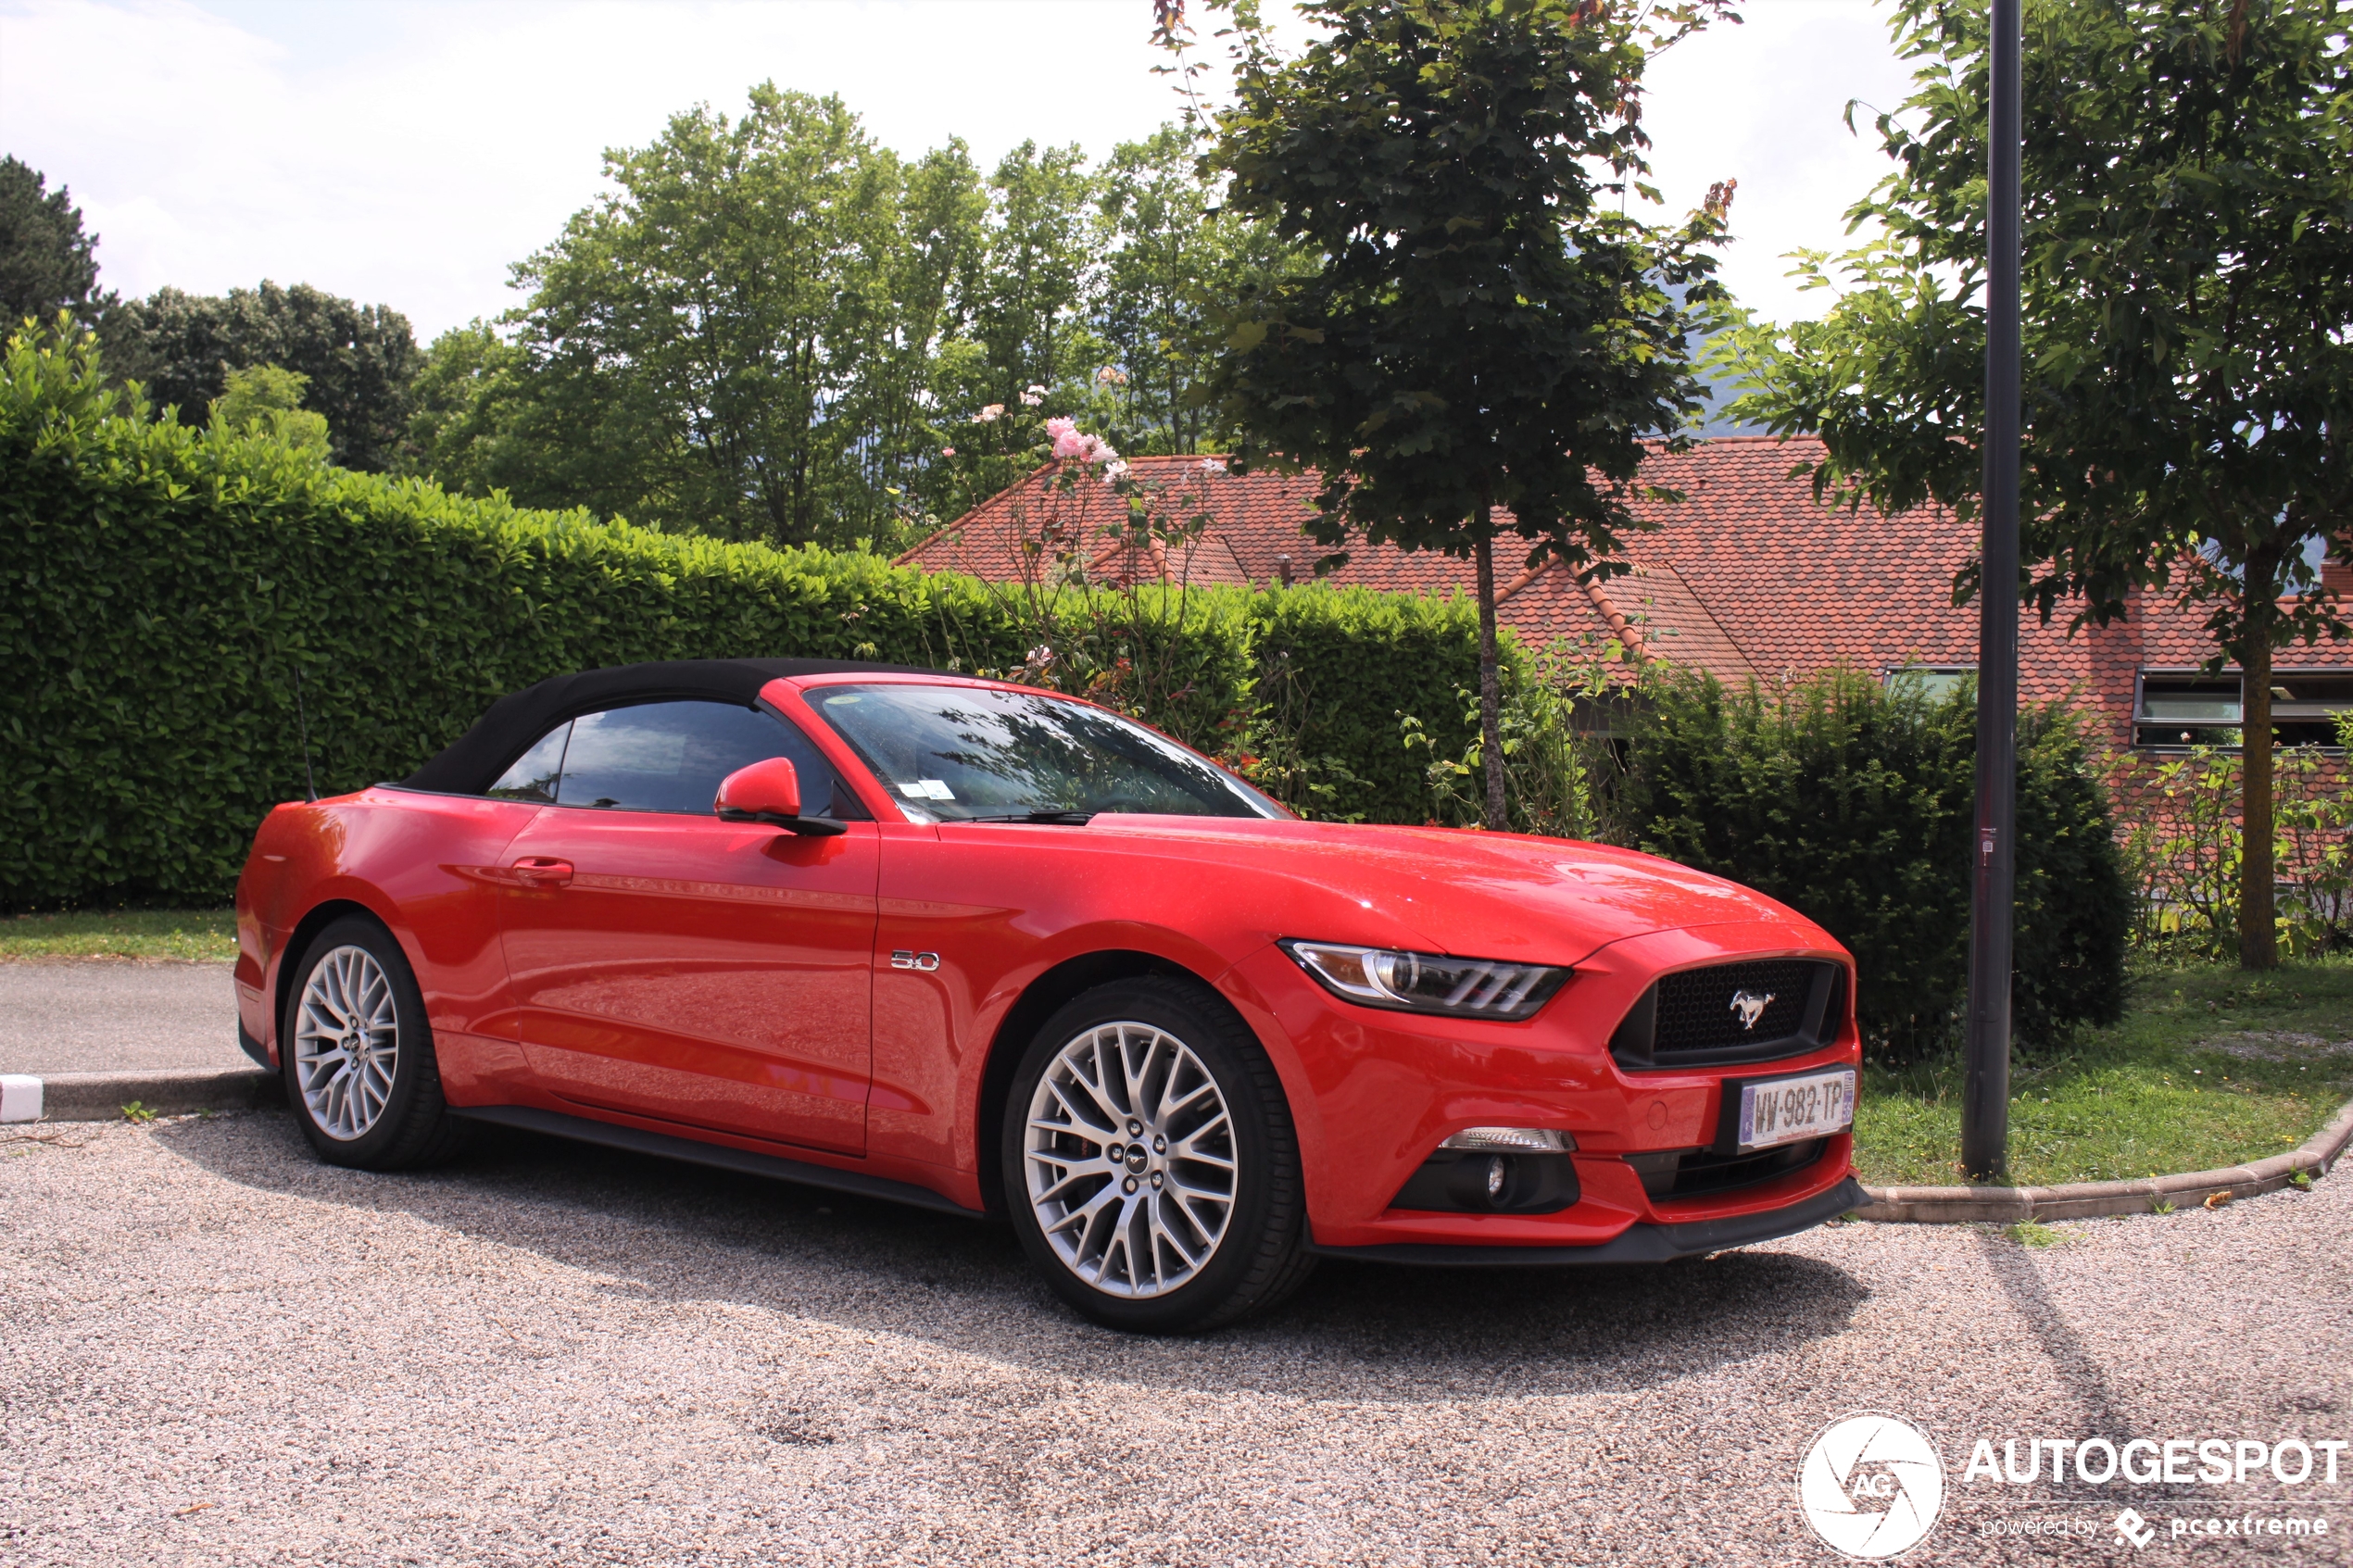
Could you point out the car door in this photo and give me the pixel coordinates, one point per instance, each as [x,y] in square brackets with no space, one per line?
[670,965]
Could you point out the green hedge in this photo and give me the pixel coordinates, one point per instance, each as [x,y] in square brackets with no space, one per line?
[1854,804]
[162,591]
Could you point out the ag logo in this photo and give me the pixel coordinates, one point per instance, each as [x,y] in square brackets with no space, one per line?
[1751,1007]
[1871,1485]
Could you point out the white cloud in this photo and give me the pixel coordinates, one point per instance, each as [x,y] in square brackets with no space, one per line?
[1763,104]
[408,152]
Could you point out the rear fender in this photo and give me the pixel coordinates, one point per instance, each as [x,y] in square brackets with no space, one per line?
[339,897]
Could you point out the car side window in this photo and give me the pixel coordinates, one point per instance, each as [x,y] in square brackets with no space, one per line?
[671,757]
[533,775]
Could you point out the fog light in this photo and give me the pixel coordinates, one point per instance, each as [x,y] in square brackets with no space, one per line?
[1455,1181]
[1518,1141]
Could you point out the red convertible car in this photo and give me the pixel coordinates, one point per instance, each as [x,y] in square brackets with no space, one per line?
[994,950]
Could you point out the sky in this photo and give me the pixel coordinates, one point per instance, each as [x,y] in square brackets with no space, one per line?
[407,152]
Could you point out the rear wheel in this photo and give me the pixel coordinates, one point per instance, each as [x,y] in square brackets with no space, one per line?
[1150,1165]
[358,1053]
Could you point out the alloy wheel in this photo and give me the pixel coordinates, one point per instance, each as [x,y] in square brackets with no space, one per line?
[1130,1159]
[347,1043]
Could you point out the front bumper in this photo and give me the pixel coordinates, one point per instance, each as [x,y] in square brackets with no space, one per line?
[1373,1092]
[1636,1244]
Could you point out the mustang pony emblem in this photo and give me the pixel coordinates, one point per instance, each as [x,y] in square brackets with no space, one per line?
[1751,1007]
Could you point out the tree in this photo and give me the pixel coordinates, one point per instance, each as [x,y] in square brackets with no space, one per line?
[464,407]
[721,344]
[1026,306]
[1172,252]
[267,401]
[938,240]
[1020,345]
[1481,332]
[358,359]
[2187,325]
[48,264]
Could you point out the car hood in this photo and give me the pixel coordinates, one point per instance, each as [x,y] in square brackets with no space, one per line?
[1490,895]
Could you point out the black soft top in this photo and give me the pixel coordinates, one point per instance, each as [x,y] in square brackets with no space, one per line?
[472,763]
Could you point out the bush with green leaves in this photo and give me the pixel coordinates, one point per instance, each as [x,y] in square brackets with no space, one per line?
[1853,804]
[1558,778]
[178,605]
[2184,848]
[266,400]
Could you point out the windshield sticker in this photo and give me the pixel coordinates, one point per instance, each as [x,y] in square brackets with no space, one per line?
[926,789]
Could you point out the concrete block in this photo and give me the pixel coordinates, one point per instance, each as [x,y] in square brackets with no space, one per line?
[20,1098]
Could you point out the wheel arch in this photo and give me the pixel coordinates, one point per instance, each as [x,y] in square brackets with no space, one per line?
[314,920]
[1040,1000]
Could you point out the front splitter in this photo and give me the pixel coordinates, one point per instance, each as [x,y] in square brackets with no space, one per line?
[1636,1244]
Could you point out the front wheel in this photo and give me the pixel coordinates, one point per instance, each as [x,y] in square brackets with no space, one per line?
[1150,1162]
[358,1053]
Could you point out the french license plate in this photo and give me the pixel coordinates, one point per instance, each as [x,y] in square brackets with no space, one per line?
[1785,1110]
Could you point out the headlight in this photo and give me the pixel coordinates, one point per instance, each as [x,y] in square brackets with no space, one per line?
[1377,977]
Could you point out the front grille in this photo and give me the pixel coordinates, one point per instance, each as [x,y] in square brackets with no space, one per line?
[1696,1011]
[1687,1172]
[1698,1017]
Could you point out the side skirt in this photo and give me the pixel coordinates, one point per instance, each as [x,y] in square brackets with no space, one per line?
[1636,1244]
[636,1140]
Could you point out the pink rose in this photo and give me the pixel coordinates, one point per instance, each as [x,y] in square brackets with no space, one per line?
[1068,443]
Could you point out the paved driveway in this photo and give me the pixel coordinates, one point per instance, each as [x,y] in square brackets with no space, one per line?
[102,1015]
[220,1351]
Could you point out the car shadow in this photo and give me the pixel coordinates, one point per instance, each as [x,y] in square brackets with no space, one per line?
[661,1230]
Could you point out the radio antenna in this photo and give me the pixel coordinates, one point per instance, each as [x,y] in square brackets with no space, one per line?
[309,779]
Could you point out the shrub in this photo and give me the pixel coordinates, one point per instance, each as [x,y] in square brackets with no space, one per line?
[1337,666]
[177,606]
[2184,851]
[1556,780]
[1853,805]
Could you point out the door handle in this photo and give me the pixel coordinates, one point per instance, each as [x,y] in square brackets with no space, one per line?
[542,870]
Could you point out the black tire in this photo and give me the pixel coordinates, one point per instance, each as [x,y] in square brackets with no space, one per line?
[1257,1259]
[413,1126]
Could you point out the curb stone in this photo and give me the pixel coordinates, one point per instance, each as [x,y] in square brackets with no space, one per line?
[2084,1201]
[100,1097]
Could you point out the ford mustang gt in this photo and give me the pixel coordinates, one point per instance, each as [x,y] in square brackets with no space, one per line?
[995,950]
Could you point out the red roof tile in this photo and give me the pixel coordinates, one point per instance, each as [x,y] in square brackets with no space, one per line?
[1747,576]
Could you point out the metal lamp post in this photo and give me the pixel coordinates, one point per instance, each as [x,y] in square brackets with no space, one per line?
[1986,1100]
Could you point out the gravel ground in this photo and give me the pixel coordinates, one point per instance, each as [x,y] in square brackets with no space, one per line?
[220,1351]
[99,1015]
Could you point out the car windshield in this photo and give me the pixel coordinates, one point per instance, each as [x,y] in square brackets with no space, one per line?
[969,753]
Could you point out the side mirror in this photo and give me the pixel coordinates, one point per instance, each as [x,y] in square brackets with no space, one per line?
[769,791]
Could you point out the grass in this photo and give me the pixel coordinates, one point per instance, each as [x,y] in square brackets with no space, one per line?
[2161,1092]
[202,935]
